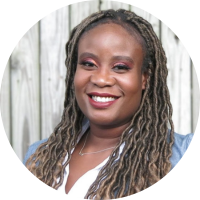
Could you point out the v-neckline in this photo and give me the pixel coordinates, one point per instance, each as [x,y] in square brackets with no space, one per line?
[82,176]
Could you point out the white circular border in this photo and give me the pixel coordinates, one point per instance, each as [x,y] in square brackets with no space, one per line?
[16,17]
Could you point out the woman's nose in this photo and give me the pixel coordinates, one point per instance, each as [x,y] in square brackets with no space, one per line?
[102,78]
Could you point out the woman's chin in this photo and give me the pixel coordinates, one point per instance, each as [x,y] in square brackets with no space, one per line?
[107,122]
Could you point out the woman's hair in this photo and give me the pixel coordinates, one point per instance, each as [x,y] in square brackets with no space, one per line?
[148,141]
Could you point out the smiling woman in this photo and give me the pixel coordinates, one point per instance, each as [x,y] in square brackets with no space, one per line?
[116,136]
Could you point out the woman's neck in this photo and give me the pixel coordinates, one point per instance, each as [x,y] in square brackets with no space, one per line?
[101,137]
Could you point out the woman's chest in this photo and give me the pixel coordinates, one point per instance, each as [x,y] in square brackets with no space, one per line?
[80,166]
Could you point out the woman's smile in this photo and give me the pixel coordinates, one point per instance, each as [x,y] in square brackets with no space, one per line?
[109,80]
[102,100]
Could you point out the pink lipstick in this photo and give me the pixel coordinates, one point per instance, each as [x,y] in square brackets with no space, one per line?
[102,100]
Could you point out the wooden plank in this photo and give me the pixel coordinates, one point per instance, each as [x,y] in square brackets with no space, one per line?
[54,35]
[149,17]
[113,5]
[179,80]
[81,10]
[5,101]
[185,93]
[195,98]
[25,92]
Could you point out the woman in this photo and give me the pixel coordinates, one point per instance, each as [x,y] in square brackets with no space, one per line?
[116,136]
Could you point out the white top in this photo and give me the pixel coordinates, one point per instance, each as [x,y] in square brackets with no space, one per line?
[81,186]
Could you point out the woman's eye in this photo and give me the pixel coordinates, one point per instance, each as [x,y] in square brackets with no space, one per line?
[121,67]
[87,64]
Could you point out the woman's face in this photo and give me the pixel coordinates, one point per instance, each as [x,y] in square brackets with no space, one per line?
[109,80]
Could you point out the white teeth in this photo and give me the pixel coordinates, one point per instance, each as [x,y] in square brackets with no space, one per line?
[103,99]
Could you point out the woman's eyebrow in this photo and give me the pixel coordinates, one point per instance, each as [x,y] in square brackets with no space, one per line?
[127,58]
[87,54]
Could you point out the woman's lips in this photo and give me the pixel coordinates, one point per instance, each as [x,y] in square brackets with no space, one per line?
[102,100]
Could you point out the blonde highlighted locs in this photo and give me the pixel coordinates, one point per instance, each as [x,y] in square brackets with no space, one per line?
[147,141]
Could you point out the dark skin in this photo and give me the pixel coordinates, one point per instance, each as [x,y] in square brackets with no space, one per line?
[90,161]
[109,61]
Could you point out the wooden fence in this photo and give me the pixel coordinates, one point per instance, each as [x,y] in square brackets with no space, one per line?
[32,91]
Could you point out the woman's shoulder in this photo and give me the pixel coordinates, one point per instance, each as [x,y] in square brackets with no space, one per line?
[181,143]
[32,148]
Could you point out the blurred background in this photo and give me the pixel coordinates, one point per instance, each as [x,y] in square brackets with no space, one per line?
[33,87]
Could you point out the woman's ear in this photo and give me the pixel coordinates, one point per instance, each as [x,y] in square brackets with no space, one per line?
[144,80]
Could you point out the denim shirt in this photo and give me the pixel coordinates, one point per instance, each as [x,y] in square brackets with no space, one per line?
[181,144]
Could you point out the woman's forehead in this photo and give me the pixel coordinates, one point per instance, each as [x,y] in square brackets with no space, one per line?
[104,29]
[127,27]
